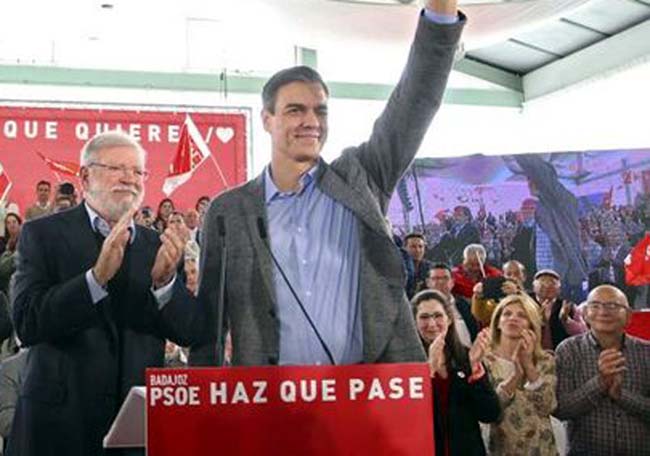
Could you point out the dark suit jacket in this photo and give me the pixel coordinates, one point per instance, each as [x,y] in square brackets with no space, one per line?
[363,180]
[83,359]
[468,234]
[601,273]
[465,310]
[469,403]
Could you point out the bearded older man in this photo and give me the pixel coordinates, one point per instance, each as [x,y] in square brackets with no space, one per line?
[87,305]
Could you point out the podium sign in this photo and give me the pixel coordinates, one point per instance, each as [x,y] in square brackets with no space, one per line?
[314,410]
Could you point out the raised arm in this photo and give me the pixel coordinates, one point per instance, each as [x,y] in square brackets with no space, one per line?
[398,132]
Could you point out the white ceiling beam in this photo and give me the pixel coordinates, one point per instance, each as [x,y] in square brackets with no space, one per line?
[489,73]
[609,56]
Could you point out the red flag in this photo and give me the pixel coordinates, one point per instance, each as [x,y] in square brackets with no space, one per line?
[5,184]
[609,198]
[60,166]
[190,153]
[637,264]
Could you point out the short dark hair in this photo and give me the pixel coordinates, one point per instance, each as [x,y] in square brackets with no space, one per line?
[200,200]
[44,182]
[414,236]
[66,188]
[301,73]
[465,210]
[444,266]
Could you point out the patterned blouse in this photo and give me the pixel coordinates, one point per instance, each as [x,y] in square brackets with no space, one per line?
[525,427]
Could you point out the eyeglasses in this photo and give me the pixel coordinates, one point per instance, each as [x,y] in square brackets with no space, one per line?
[114,169]
[436,316]
[610,307]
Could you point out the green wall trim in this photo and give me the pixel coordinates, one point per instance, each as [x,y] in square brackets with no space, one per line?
[57,76]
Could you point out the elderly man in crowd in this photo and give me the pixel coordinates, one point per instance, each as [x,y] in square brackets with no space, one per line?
[472,270]
[91,301]
[603,387]
[561,318]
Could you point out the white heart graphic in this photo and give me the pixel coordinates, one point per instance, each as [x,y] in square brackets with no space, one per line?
[225,134]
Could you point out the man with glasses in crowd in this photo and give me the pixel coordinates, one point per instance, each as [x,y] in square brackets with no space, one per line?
[440,279]
[87,302]
[603,387]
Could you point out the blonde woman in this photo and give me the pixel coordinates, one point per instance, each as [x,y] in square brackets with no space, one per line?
[524,378]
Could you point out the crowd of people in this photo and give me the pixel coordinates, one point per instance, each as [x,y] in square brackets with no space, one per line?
[538,359]
[607,235]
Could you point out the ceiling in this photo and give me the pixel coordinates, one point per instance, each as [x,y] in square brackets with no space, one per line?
[597,38]
[514,51]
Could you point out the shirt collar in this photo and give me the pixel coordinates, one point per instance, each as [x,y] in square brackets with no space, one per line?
[593,341]
[101,226]
[272,192]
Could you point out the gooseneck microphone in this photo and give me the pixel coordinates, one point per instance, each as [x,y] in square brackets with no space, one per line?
[263,235]
[221,231]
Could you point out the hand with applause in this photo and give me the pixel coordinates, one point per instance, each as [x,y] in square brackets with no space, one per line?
[437,360]
[169,254]
[565,311]
[112,252]
[611,364]
[480,347]
[511,384]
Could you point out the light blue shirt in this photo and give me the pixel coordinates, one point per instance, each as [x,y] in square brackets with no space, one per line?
[440,18]
[316,241]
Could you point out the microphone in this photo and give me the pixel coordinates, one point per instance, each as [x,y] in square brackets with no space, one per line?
[221,226]
[221,230]
[263,235]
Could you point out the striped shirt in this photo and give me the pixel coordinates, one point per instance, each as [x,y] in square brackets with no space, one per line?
[598,424]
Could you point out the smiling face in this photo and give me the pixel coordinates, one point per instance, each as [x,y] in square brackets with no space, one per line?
[431,319]
[607,310]
[111,191]
[12,225]
[298,125]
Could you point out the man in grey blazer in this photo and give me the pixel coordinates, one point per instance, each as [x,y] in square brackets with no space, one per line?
[313,235]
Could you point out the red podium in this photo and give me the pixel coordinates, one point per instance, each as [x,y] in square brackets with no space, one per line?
[316,410]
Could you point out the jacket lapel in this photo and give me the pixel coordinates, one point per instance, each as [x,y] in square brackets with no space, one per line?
[351,197]
[261,246]
[80,238]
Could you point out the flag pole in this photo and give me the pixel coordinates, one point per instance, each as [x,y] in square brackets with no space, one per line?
[223,178]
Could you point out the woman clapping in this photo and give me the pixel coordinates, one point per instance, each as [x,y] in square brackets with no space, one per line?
[524,377]
[462,393]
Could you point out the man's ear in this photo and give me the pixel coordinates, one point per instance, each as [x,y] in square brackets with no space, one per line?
[267,118]
[83,177]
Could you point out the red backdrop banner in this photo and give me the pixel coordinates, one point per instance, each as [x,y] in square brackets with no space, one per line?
[639,325]
[59,133]
[315,410]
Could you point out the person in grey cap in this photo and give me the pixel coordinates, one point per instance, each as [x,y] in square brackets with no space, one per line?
[560,317]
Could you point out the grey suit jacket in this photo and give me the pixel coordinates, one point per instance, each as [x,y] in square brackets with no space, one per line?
[363,180]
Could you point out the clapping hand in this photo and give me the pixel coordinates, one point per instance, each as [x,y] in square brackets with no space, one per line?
[112,252]
[611,366]
[437,360]
[480,347]
[169,254]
